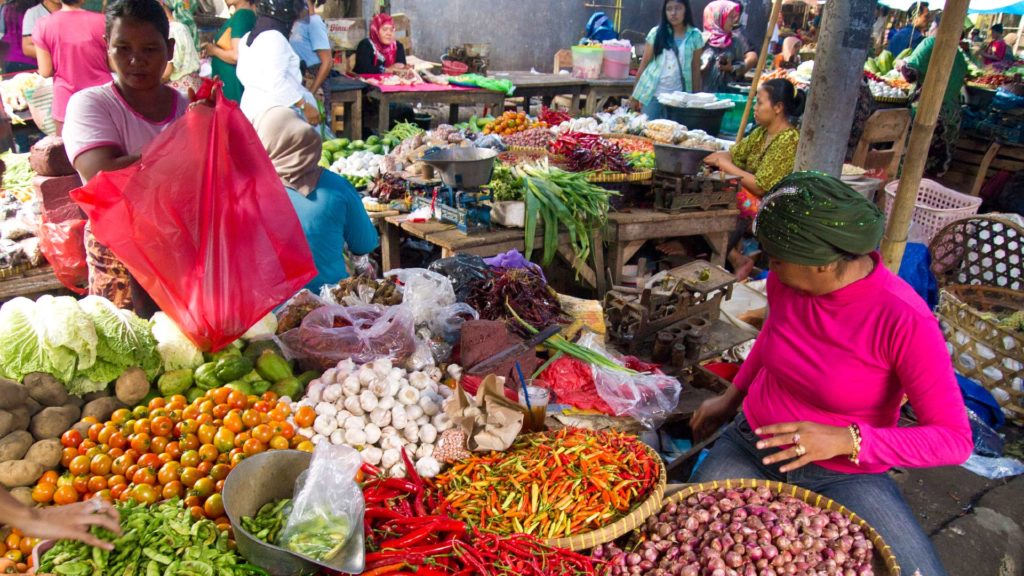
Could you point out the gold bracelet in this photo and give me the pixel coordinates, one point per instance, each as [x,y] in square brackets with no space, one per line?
[855,454]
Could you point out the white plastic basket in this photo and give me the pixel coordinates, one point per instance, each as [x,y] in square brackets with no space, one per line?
[935,207]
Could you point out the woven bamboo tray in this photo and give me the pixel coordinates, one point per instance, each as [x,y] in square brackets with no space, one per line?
[632,521]
[528,149]
[883,554]
[14,271]
[982,350]
[900,101]
[648,141]
[609,177]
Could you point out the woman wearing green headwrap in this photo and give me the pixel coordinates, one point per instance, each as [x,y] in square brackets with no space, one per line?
[844,342]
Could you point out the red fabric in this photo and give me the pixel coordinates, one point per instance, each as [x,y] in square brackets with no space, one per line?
[204,224]
[426,87]
[388,51]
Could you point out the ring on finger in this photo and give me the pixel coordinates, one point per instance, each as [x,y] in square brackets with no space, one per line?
[800,450]
[796,438]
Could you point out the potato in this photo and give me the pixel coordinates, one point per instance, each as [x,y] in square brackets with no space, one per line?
[7,422]
[21,418]
[15,445]
[53,421]
[23,494]
[96,395]
[82,427]
[75,401]
[33,406]
[46,453]
[12,394]
[45,389]
[102,408]
[19,473]
[132,386]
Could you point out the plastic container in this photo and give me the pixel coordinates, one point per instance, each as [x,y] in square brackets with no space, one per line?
[709,121]
[616,62]
[733,116]
[537,407]
[935,207]
[586,62]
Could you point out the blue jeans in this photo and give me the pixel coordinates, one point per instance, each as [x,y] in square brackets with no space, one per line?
[873,497]
[654,110]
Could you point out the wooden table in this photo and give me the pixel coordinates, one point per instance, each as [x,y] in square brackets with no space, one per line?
[379,219]
[626,232]
[31,283]
[485,244]
[601,90]
[453,98]
[347,114]
[546,87]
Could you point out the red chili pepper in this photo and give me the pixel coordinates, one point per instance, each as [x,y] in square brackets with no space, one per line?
[409,539]
[382,513]
[419,551]
[389,569]
[370,469]
[379,496]
[394,484]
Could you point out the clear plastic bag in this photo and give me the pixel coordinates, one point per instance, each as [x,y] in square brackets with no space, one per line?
[326,521]
[447,323]
[331,334]
[994,468]
[648,398]
[425,293]
[462,270]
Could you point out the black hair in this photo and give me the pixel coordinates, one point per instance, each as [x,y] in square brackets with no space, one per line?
[71,2]
[782,91]
[665,38]
[997,28]
[148,11]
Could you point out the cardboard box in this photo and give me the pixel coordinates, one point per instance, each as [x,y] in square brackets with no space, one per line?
[345,33]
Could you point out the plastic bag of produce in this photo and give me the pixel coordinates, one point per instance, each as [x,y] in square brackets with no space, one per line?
[331,334]
[462,270]
[63,245]
[326,521]
[648,397]
[425,293]
[204,224]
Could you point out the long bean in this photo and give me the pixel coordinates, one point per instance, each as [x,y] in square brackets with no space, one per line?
[558,343]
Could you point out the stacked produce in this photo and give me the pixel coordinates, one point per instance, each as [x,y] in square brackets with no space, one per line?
[17,176]
[553,484]
[891,85]
[589,152]
[409,529]
[640,161]
[993,81]
[269,520]
[531,138]
[169,448]
[378,409]
[15,551]
[159,539]
[504,183]
[884,63]
[15,91]
[741,531]
[520,290]
[510,123]
[359,168]
[553,117]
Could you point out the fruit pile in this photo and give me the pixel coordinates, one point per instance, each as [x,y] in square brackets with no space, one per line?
[15,551]
[170,448]
[512,122]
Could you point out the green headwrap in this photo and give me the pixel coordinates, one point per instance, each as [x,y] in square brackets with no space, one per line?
[814,219]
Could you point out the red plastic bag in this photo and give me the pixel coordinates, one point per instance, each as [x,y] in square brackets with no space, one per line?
[572,381]
[204,224]
[63,244]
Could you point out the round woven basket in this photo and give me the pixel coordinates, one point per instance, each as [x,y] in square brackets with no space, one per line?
[900,101]
[884,558]
[608,177]
[527,149]
[628,523]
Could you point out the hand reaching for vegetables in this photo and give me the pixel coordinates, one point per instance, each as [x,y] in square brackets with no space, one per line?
[71,522]
[807,442]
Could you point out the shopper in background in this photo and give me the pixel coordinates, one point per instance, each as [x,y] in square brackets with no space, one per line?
[28,24]
[995,50]
[910,35]
[310,41]
[12,20]
[182,72]
[726,57]
[671,61]
[70,47]
[268,67]
[108,126]
[329,208]
[789,58]
[224,52]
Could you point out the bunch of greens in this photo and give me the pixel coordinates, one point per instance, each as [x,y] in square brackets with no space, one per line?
[269,520]
[505,185]
[162,539]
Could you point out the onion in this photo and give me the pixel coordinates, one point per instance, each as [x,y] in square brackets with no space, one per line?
[632,559]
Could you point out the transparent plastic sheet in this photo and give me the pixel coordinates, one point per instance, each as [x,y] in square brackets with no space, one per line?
[63,245]
[425,293]
[327,510]
[987,442]
[331,334]
[994,468]
[291,314]
[462,270]
[204,225]
[447,323]
[648,398]
[363,266]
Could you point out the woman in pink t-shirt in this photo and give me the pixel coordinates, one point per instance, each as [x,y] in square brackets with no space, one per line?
[845,341]
[70,47]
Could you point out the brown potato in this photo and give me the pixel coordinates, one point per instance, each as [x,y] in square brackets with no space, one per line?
[46,389]
[132,386]
[102,408]
[15,445]
[12,394]
[19,473]
[53,421]
[46,453]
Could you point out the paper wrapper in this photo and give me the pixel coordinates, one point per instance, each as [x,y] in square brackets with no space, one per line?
[490,421]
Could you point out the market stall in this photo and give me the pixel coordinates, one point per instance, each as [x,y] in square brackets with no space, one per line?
[547,87]
[452,96]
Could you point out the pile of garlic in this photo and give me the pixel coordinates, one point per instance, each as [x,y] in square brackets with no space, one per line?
[378,409]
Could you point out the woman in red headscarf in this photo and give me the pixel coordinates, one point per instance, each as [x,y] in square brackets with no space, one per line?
[380,53]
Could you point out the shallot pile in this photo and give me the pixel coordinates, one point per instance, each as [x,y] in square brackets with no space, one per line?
[747,532]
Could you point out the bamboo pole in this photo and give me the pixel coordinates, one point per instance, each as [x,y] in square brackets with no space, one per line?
[761,60]
[948,39]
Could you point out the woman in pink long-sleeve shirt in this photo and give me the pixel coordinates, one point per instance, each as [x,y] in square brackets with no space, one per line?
[845,340]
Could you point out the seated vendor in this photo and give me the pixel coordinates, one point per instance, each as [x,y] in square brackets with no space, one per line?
[108,126]
[382,54]
[845,342]
[329,208]
[763,157]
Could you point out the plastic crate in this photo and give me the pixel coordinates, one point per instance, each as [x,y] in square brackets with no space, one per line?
[935,207]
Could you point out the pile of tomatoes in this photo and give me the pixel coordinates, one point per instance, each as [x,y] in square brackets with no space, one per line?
[511,123]
[15,552]
[170,448]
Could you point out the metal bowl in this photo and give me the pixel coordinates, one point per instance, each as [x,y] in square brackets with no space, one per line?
[462,167]
[677,159]
[264,478]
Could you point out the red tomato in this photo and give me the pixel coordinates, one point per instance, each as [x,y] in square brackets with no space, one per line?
[71,439]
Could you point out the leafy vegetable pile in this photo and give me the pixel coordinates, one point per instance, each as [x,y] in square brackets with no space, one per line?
[162,539]
[85,344]
[504,184]
[18,176]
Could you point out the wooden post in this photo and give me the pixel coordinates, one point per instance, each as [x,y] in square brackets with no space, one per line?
[838,70]
[948,39]
[761,60]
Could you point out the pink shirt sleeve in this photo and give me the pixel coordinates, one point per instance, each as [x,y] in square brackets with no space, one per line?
[89,123]
[942,436]
[40,36]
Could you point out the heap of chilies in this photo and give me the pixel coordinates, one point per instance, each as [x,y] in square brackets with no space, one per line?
[409,530]
[589,152]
